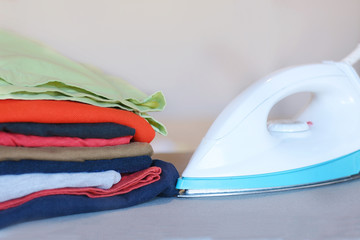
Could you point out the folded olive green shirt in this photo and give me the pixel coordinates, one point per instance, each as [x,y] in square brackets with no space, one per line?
[77,154]
[30,70]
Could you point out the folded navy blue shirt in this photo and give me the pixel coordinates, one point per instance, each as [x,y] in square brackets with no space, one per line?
[61,205]
[82,130]
[122,165]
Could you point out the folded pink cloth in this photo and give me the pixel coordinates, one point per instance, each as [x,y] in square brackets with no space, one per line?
[127,183]
[20,140]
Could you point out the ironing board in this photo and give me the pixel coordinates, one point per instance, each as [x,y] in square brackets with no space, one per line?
[329,212]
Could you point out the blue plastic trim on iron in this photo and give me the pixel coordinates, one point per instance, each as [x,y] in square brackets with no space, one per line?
[333,169]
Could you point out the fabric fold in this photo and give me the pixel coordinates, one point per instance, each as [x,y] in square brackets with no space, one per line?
[75,153]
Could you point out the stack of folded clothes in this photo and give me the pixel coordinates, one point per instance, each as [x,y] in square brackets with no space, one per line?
[72,139]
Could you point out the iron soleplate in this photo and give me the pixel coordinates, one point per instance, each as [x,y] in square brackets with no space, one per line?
[191,193]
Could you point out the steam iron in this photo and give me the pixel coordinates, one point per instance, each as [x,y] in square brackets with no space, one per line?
[244,153]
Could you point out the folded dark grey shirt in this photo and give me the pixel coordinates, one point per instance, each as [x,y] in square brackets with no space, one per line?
[80,130]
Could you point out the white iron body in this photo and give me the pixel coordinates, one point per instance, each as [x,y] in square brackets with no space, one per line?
[239,142]
[242,144]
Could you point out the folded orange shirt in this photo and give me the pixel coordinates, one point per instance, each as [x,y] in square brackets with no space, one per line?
[127,183]
[57,111]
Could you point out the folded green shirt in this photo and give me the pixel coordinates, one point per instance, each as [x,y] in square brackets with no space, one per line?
[30,70]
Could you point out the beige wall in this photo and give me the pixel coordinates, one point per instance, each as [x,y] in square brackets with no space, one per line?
[200,53]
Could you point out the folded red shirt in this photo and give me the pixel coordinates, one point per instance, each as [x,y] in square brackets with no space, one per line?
[127,183]
[21,140]
[58,111]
